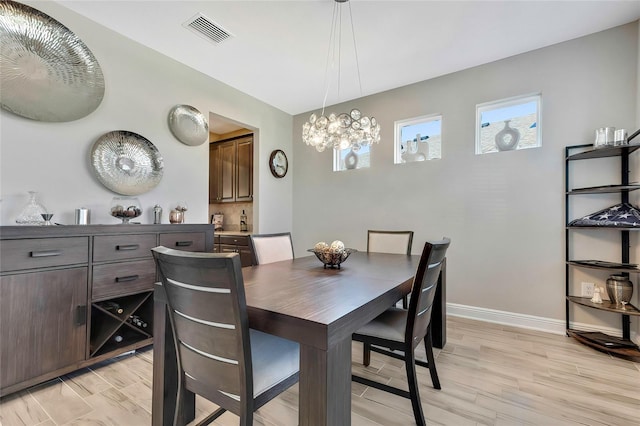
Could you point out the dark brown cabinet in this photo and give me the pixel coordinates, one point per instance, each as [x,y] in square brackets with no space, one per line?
[235,244]
[71,296]
[42,323]
[231,171]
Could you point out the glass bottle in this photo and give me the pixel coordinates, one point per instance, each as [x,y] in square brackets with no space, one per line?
[31,214]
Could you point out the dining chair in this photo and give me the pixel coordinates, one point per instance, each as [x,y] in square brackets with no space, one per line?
[401,330]
[395,242]
[218,356]
[268,248]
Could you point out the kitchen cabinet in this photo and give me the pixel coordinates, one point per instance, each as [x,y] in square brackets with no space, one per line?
[231,170]
[235,244]
[71,296]
[624,347]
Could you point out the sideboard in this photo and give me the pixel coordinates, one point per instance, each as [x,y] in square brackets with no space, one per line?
[72,296]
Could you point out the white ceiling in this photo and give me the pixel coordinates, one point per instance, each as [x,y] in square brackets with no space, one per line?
[278,52]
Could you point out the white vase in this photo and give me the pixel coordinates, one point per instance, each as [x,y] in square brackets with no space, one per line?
[507,139]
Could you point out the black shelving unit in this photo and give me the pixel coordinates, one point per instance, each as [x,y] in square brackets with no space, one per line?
[616,346]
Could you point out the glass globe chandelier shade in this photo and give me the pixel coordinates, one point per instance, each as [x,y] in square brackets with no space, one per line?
[341,131]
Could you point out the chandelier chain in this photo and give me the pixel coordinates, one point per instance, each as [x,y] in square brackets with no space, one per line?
[340,131]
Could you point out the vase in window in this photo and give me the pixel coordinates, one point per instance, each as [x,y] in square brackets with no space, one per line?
[31,214]
[507,139]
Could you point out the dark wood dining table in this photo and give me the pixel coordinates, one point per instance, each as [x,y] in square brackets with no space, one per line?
[319,308]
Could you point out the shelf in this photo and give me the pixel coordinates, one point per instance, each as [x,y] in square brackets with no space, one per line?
[612,151]
[616,228]
[112,330]
[605,189]
[631,354]
[603,267]
[606,305]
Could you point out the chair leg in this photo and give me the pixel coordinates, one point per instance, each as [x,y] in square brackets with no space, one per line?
[366,354]
[246,419]
[405,302]
[428,347]
[412,379]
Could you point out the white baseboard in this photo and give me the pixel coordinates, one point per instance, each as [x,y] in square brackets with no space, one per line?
[530,322]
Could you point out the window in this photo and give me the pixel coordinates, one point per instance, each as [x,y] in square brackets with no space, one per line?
[418,139]
[508,124]
[347,159]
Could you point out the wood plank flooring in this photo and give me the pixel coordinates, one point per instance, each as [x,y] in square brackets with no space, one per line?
[490,374]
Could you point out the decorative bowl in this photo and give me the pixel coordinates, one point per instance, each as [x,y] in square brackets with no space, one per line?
[332,259]
[125,208]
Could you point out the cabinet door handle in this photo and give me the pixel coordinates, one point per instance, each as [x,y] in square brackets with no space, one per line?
[45,253]
[81,315]
[128,247]
[183,243]
[127,278]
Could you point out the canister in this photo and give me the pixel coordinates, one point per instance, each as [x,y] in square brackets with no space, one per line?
[83,216]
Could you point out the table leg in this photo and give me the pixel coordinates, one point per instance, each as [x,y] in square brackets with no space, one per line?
[325,385]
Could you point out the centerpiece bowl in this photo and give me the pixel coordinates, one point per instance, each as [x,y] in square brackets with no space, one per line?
[332,258]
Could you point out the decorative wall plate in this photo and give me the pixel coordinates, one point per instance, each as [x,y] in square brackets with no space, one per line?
[188,125]
[46,72]
[126,162]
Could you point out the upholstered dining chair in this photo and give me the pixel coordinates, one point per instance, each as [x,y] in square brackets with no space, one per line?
[218,356]
[268,248]
[396,242]
[402,330]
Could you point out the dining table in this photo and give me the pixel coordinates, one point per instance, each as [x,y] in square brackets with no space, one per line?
[318,307]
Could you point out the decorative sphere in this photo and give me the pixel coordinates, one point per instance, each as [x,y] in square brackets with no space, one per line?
[322,246]
[337,246]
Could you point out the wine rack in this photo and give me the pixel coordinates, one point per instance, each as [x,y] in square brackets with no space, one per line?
[120,322]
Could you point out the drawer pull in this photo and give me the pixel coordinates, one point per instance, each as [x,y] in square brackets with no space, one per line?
[46,253]
[183,243]
[128,247]
[127,278]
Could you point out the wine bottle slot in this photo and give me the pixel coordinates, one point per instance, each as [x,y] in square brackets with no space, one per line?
[112,307]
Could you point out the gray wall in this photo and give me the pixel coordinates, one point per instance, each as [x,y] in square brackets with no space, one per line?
[504,212]
[141,87]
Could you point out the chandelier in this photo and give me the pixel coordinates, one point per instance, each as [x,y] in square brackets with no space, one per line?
[340,131]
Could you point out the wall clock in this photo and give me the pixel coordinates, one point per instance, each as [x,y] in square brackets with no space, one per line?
[278,163]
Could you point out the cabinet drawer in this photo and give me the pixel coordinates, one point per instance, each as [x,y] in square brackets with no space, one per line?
[43,252]
[122,247]
[189,241]
[234,240]
[122,278]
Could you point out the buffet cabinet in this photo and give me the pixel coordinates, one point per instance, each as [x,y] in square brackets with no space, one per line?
[71,296]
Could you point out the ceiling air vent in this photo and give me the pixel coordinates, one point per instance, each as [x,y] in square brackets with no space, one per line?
[206,28]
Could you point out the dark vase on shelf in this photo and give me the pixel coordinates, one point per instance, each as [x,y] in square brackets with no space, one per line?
[619,289]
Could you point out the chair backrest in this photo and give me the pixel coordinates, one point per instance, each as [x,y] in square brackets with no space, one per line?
[208,316]
[396,242]
[424,290]
[268,248]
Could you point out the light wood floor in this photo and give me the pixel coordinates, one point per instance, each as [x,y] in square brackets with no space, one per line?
[490,374]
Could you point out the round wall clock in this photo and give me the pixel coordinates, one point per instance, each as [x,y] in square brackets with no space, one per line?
[278,163]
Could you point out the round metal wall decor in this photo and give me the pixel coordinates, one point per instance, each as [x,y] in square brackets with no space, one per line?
[188,125]
[126,162]
[46,72]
